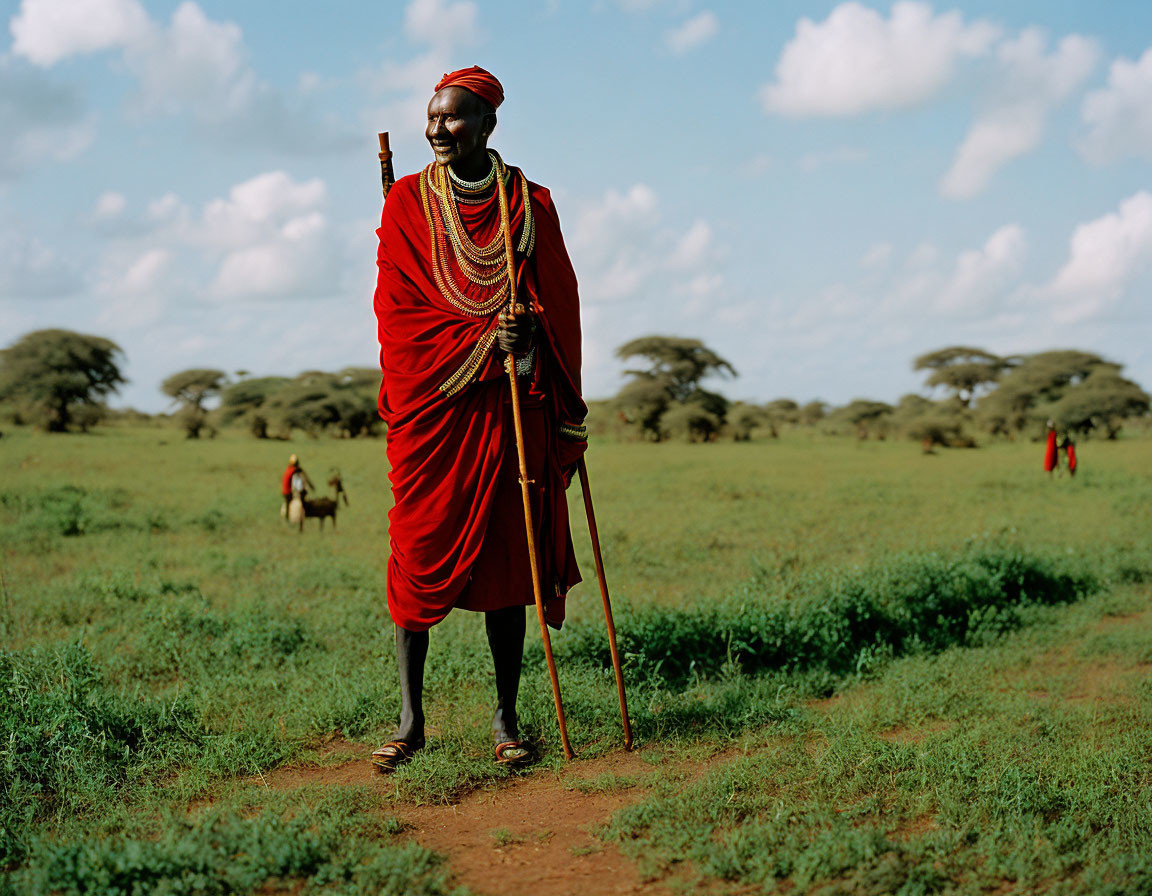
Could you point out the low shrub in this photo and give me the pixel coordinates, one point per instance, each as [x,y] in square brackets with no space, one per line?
[70,511]
[66,740]
[337,847]
[917,603]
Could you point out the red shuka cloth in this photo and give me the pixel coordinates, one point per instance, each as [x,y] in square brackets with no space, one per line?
[1050,452]
[1071,449]
[286,480]
[457,524]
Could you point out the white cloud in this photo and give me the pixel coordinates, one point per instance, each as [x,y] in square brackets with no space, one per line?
[973,284]
[614,239]
[640,272]
[193,64]
[692,32]
[274,238]
[993,140]
[1104,256]
[856,61]
[293,262]
[982,276]
[109,205]
[166,209]
[692,249]
[1119,117]
[144,274]
[877,257]
[442,24]
[268,238]
[258,206]
[1030,82]
[134,291]
[406,86]
[600,224]
[47,31]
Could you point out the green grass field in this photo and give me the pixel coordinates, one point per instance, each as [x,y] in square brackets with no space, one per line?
[854,668]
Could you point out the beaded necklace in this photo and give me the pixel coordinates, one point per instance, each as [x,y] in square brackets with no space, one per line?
[474,186]
[484,267]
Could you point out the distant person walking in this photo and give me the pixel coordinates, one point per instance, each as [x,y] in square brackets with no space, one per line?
[1051,458]
[294,478]
[1069,449]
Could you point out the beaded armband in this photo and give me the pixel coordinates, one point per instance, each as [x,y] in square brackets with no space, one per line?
[574,432]
[525,364]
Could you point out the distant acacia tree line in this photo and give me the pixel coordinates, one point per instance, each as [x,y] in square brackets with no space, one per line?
[1007,396]
[341,403]
[59,380]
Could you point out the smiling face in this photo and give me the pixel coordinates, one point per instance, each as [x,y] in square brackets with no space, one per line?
[459,123]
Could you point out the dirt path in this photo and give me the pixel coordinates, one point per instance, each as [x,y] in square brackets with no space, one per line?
[535,834]
[532,834]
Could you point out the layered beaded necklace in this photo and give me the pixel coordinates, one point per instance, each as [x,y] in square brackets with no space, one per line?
[484,267]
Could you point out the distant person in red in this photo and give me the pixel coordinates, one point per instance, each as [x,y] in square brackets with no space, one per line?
[1069,449]
[457,525]
[1051,459]
[294,478]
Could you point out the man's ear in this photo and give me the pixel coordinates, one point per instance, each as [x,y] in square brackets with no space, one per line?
[489,124]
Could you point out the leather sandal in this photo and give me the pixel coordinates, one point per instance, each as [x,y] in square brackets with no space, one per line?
[393,755]
[514,753]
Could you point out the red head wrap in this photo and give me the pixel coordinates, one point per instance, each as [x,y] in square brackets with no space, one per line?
[476,80]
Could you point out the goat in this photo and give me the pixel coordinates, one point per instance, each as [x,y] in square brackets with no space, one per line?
[301,508]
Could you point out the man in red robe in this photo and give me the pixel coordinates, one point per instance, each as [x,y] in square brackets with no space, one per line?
[457,527]
[1051,459]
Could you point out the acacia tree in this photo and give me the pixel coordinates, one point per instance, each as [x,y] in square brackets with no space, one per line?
[1102,401]
[812,412]
[248,400]
[865,416]
[1080,390]
[343,403]
[962,369]
[191,388]
[58,377]
[932,423]
[666,397]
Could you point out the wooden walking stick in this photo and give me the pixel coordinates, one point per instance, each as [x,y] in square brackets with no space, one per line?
[387,176]
[510,366]
[583,469]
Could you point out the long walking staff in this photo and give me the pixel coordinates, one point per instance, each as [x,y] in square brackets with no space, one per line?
[510,366]
[592,531]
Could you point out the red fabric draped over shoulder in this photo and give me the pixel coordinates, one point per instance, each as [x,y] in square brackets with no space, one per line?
[449,453]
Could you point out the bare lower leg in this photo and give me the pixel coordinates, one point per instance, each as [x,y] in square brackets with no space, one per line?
[411,651]
[506,639]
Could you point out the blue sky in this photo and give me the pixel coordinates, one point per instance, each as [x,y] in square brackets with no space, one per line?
[820,191]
